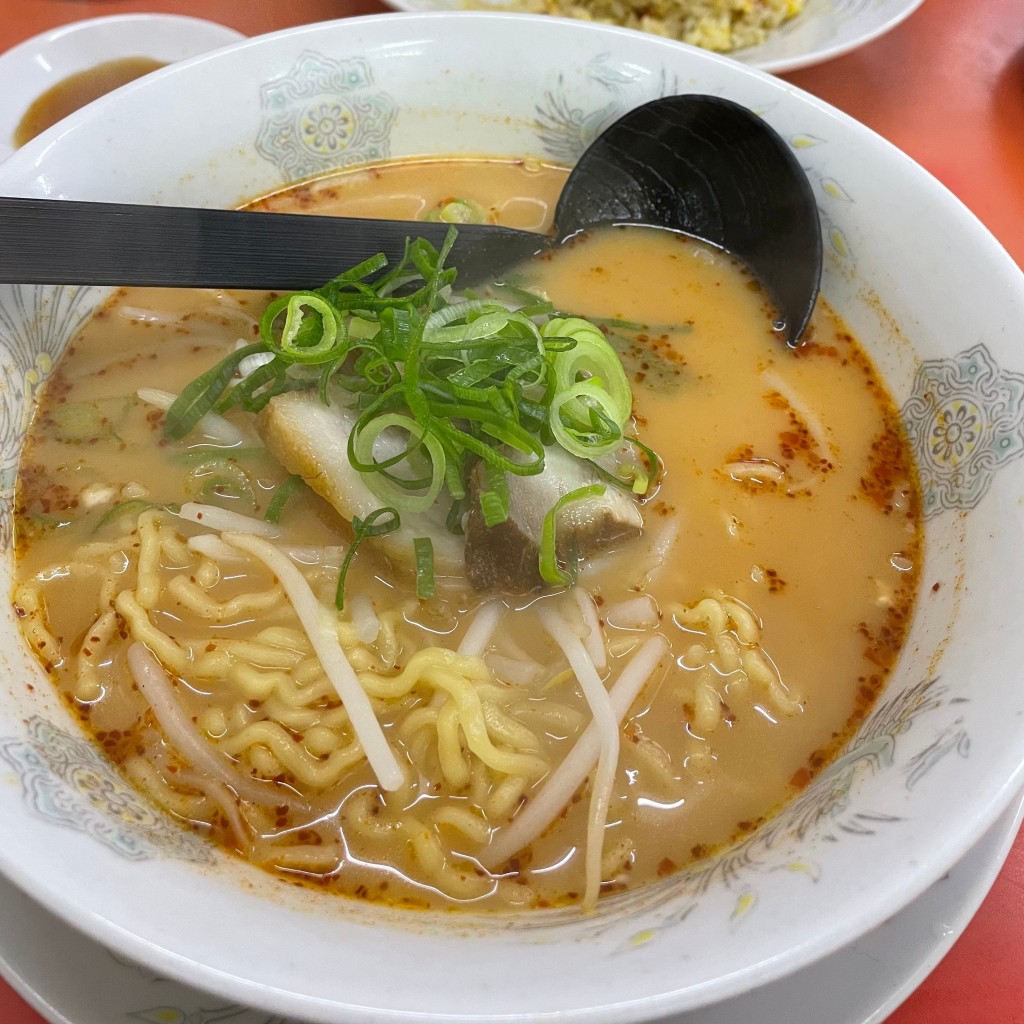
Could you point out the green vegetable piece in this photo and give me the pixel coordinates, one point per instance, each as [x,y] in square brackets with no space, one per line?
[130,507]
[82,422]
[458,211]
[200,396]
[378,523]
[217,478]
[313,332]
[423,548]
[281,497]
[550,571]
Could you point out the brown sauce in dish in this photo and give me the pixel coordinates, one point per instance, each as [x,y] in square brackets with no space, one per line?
[77,90]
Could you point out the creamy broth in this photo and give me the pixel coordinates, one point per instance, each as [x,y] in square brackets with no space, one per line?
[780,556]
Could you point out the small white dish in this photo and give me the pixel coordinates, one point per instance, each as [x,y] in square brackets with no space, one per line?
[823,30]
[861,984]
[31,68]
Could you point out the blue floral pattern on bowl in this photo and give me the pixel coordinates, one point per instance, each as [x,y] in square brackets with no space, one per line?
[66,781]
[36,323]
[322,115]
[566,128]
[965,418]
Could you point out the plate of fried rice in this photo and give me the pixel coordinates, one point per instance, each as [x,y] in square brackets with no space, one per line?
[773,35]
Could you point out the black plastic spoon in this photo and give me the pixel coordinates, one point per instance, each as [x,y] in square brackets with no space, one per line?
[706,167]
[699,165]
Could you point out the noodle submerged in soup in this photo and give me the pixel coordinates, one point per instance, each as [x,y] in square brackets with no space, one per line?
[542,746]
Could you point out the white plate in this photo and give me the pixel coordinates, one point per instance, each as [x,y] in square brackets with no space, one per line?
[861,984]
[30,68]
[823,30]
[826,29]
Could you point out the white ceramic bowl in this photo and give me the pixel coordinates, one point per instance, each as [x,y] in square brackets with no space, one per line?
[939,306]
[30,68]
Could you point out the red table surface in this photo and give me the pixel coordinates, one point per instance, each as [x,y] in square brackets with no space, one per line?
[947,87]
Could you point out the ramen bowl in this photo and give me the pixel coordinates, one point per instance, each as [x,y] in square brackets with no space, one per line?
[933,298]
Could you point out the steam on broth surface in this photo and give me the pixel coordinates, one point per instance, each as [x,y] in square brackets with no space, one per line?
[743,634]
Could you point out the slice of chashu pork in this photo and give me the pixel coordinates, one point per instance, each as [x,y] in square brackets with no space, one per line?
[505,557]
[310,439]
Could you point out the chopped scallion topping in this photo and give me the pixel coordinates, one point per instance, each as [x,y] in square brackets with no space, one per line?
[550,571]
[199,396]
[130,507]
[379,522]
[441,386]
[280,499]
[313,332]
[423,549]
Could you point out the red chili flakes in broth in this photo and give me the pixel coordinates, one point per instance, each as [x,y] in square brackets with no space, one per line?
[753,483]
[888,469]
[663,346]
[57,389]
[53,497]
[798,443]
[809,348]
[884,643]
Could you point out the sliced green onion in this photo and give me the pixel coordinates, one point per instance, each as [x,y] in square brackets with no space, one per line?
[256,389]
[379,522]
[423,549]
[592,358]
[130,507]
[453,521]
[494,500]
[458,211]
[449,314]
[643,480]
[220,478]
[84,422]
[550,570]
[634,471]
[651,329]
[200,452]
[313,330]
[360,328]
[583,420]
[400,493]
[282,494]
[471,380]
[199,396]
[454,477]
[528,303]
[494,510]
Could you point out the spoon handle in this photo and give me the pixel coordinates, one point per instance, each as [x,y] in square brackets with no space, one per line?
[64,241]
